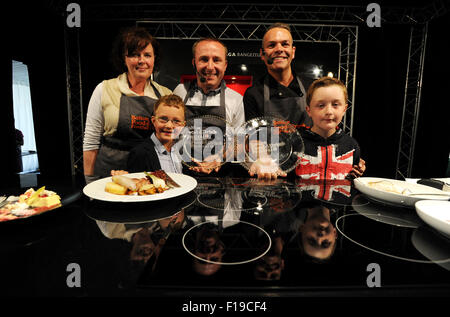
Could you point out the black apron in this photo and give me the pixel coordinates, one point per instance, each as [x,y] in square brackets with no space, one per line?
[194,111]
[292,109]
[134,125]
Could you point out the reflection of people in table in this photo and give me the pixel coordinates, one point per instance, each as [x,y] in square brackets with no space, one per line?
[147,239]
[271,265]
[317,234]
[210,247]
[338,190]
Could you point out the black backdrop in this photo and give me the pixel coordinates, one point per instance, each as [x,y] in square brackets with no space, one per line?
[36,38]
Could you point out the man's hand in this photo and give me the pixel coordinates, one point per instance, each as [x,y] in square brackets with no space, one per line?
[358,170]
[211,163]
[265,168]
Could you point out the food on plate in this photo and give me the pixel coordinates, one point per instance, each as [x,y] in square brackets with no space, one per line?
[124,181]
[389,187]
[149,185]
[164,176]
[30,203]
[115,188]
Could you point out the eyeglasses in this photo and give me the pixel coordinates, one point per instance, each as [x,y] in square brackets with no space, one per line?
[165,120]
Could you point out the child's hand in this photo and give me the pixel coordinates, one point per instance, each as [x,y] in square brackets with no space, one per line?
[358,170]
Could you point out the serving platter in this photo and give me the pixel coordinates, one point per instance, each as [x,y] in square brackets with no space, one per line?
[397,192]
[436,214]
[96,189]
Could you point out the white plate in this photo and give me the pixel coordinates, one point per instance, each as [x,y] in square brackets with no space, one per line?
[436,214]
[96,190]
[406,200]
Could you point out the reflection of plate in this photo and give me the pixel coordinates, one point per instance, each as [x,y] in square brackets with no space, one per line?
[273,137]
[138,213]
[432,246]
[356,231]
[96,190]
[436,214]
[280,194]
[369,187]
[387,214]
[232,199]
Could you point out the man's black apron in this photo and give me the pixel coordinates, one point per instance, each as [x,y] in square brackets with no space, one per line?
[133,127]
[292,109]
[195,111]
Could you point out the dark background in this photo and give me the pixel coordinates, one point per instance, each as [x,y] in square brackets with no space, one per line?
[35,36]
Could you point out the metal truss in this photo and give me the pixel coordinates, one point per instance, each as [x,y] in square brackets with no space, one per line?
[346,36]
[74,99]
[312,23]
[300,13]
[411,101]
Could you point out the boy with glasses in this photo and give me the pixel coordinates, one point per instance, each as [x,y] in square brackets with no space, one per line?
[156,153]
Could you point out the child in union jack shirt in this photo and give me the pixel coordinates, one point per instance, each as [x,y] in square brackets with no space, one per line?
[329,152]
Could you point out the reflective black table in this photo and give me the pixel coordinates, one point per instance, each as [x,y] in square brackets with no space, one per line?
[235,239]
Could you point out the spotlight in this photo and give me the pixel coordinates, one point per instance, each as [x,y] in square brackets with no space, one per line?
[330,74]
[317,71]
[244,68]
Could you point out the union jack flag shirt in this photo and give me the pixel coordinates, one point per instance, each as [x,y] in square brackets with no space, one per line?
[331,158]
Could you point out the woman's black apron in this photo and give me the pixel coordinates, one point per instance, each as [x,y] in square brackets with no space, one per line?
[133,127]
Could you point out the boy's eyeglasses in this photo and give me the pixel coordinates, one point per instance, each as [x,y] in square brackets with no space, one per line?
[165,120]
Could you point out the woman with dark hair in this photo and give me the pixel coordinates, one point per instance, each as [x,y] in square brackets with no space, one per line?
[120,109]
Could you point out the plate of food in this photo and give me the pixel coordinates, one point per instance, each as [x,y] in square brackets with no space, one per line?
[436,214]
[31,203]
[397,192]
[140,187]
